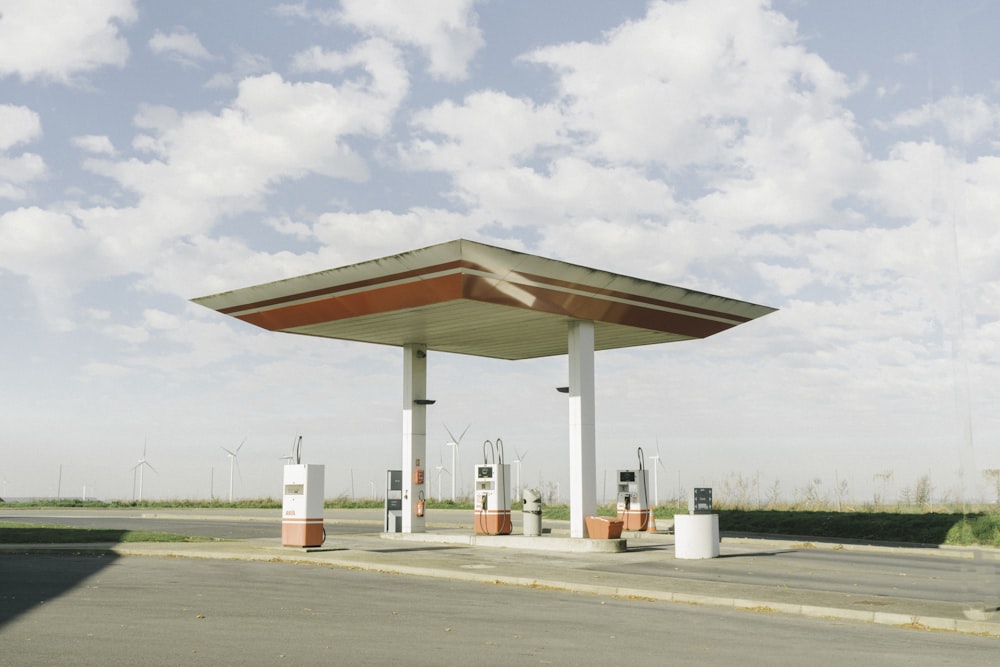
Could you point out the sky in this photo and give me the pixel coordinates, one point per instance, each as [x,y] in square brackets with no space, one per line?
[839,161]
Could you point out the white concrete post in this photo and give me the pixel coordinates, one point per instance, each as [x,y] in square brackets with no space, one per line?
[582,438]
[414,433]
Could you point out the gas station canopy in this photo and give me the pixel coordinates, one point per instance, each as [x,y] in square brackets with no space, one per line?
[469,298]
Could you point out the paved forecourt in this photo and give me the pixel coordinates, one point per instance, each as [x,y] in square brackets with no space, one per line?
[953,589]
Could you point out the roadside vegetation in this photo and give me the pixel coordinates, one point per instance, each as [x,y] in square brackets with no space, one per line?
[902,524]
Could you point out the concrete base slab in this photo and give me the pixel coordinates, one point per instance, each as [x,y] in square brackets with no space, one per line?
[526,542]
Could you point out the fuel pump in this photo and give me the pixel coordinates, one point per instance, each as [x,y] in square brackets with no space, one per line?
[393,501]
[492,494]
[633,501]
[302,503]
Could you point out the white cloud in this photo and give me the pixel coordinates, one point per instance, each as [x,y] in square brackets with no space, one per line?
[300,10]
[199,168]
[376,97]
[569,190]
[181,46]
[245,64]
[207,165]
[490,129]
[689,82]
[718,100]
[784,280]
[54,253]
[15,172]
[58,41]
[94,143]
[695,86]
[18,125]
[355,237]
[444,30]
[965,119]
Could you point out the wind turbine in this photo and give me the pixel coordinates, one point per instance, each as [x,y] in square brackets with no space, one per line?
[296,455]
[233,463]
[517,471]
[656,485]
[454,456]
[440,469]
[139,466]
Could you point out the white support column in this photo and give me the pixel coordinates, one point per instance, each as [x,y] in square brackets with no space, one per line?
[582,438]
[414,433]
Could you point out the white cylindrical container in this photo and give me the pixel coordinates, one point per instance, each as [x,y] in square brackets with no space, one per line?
[531,520]
[696,536]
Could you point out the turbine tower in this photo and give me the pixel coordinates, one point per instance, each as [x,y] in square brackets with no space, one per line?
[454,456]
[656,484]
[518,457]
[143,463]
[440,470]
[233,463]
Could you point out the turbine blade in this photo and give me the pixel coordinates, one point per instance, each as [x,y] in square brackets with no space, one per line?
[463,433]
[226,451]
[450,434]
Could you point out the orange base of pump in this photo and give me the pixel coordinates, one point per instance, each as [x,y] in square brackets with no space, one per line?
[302,533]
[492,522]
[634,519]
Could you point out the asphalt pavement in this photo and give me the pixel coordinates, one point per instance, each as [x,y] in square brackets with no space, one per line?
[953,589]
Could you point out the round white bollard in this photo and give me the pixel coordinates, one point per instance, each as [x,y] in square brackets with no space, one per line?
[696,536]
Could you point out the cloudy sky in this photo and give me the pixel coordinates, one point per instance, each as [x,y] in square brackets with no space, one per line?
[837,160]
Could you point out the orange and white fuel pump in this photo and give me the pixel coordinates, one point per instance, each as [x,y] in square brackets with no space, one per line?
[492,494]
[633,500]
[302,506]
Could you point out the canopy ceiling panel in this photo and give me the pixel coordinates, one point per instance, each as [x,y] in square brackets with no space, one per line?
[470,298]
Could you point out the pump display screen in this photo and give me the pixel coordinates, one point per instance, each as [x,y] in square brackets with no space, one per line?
[626,475]
[293,489]
[484,472]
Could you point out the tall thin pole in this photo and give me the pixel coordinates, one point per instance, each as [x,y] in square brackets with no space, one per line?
[454,469]
[517,479]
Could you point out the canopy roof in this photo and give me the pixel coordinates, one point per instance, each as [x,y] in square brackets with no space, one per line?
[470,298]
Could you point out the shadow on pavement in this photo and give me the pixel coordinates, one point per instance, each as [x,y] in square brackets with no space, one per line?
[28,580]
[758,554]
